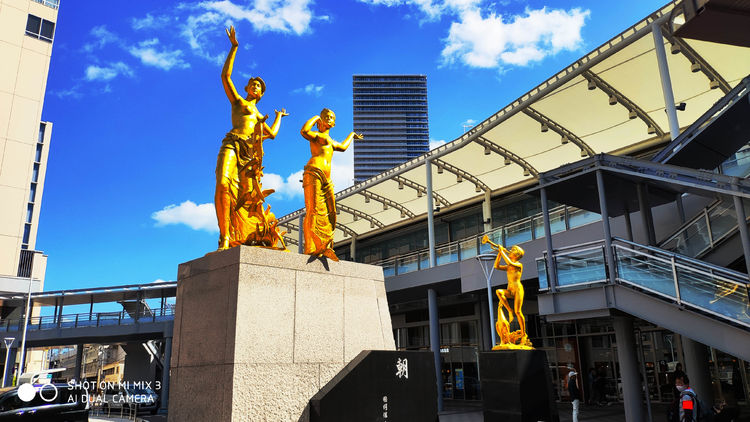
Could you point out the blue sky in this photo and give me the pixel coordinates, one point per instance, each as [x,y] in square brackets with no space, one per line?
[139,112]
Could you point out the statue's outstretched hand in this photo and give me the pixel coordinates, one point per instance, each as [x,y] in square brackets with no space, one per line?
[282,112]
[358,136]
[232,35]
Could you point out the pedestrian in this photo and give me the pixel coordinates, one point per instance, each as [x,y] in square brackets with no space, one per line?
[574,389]
[688,401]
[590,390]
[678,372]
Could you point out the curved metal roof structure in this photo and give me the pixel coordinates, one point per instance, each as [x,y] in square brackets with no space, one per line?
[607,101]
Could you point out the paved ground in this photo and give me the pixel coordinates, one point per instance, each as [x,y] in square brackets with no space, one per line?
[612,413]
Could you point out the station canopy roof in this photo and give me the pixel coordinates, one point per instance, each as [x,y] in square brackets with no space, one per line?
[608,101]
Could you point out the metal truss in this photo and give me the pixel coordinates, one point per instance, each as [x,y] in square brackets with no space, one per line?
[420,189]
[507,154]
[557,128]
[623,100]
[696,58]
[359,214]
[461,173]
[387,202]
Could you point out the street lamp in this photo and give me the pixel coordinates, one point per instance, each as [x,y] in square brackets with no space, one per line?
[8,342]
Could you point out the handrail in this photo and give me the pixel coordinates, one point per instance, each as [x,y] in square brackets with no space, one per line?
[694,261]
[530,218]
[43,322]
[679,231]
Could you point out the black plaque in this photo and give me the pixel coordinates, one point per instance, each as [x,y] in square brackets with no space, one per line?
[516,386]
[382,386]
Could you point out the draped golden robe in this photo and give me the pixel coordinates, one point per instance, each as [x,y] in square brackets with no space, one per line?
[320,206]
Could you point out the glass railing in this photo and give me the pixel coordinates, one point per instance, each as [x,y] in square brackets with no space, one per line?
[583,264]
[680,279]
[716,291]
[96,319]
[525,230]
[703,232]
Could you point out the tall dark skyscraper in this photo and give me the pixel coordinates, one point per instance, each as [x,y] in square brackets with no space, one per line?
[391,112]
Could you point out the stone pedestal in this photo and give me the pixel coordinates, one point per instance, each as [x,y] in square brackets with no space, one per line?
[258,332]
[517,386]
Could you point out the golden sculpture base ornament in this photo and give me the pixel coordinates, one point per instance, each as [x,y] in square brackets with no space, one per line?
[320,203]
[239,196]
[510,340]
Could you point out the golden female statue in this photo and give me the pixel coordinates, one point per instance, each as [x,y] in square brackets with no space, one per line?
[320,204]
[514,269]
[239,195]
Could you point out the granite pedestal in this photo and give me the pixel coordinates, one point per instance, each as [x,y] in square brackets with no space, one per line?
[258,332]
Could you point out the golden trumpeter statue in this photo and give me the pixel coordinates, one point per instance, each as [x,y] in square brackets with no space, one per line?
[514,269]
[320,203]
[239,195]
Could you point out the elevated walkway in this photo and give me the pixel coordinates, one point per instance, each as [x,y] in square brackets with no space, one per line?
[696,299]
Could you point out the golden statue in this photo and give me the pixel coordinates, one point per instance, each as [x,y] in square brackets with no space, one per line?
[514,268]
[239,193]
[320,203]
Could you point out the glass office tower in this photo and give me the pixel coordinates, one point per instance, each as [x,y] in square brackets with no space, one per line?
[391,112]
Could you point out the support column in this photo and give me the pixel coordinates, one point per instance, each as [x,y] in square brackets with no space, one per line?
[696,367]
[430,216]
[744,234]
[626,355]
[435,343]
[605,224]
[487,211]
[485,326]
[79,362]
[628,225]
[300,235]
[353,249]
[646,218]
[13,352]
[680,208]
[164,398]
[551,270]
[666,81]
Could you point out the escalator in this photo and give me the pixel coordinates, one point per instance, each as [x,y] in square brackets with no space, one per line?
[694,298]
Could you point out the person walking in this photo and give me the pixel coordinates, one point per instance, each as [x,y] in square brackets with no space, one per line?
[688,401]
[574,389]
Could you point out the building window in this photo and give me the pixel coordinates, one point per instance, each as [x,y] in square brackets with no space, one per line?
[42,129]
[32,192]
[55,4]
[26,234]
[39,28]
[29,212]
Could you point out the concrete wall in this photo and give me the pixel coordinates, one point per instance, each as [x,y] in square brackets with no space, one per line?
[23,79]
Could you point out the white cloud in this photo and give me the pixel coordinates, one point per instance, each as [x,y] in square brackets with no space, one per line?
[310,89]
[197,217]
[72,92]
[495,41]
[103,37]
[159,280]
[285,189]
[286,16]
[149,22]
[198,30]
[107,73]
[434,143]
[147,52]
[342,169]
[431,9]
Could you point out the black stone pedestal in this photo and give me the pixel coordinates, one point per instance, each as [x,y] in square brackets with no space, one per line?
[516,386]
[380,386]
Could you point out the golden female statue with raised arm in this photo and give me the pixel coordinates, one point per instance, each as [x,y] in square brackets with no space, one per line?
[239,195]
[514,269]
[320,204]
